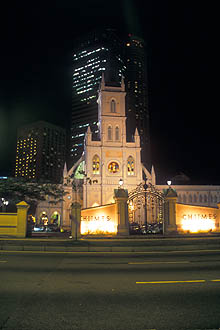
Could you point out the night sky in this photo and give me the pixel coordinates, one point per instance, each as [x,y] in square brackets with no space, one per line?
[37,38]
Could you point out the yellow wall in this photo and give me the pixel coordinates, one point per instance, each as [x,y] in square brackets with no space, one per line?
[197,217]
[99,220]
[8,223]
[15,224]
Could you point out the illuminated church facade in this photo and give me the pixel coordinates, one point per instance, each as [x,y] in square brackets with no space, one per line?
[109,159]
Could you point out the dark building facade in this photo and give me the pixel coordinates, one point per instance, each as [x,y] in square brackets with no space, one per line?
[105,52]
[137,93]
[41,151]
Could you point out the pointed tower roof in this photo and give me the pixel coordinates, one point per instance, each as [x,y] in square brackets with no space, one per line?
[122,83]
[136,132]
[88,136]
[103,81]
[65,170]
[153,176]
[88,130]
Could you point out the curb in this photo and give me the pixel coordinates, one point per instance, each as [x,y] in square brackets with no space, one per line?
[107,249]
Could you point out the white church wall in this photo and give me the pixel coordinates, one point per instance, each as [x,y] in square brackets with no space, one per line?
[201,195]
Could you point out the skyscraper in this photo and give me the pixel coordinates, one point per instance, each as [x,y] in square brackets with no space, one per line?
[137,93]
[104,51]
[40,153]
[97,52]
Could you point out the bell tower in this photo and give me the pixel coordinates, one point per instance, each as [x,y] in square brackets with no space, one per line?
[110,158]
[111,114]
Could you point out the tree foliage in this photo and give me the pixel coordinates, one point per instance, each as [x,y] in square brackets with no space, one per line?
[16,190]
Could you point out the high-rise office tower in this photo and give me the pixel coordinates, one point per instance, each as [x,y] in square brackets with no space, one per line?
[97,52]
[137,111]
[105,52]
[40,153]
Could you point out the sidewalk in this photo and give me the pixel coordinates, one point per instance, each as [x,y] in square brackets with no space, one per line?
[119,244]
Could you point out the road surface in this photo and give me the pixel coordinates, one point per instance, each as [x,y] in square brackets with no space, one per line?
[109,291]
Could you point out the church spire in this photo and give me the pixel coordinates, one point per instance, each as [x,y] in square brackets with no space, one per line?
[103,81]
[122,83]
[88,136]
[153,176]
[65,170]
[65,173]
[137,138]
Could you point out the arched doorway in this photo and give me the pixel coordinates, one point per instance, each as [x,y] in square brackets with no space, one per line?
[43,218]
[55,219]
[48,222]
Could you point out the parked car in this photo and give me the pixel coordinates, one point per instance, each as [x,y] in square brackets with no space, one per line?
[143,229]
[134,228]
[43,228]
[38,228]
[155,228]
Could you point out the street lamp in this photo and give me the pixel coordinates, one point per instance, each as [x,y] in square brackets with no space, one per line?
[169,183]
[120,183]
[145,200]
[4,204]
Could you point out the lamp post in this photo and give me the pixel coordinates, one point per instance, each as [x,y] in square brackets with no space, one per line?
[120,183]
[145,200]
[4,204]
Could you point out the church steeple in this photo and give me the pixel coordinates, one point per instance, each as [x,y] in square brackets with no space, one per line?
[111,113]
[103,81]
[111,157]
[122,83]
[137,138]
[88,136]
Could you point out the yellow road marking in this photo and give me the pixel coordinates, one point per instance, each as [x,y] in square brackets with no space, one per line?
[217,280]
[158,262]
[106,252]
[170,282]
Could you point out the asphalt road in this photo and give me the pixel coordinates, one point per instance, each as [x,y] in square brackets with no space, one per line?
[107,291]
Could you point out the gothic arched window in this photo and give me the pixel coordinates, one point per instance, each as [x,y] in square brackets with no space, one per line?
[190,198]
[95,164]
[109,132]
[117,133]
[184,199]
[200,199]
[113,106]
[130,165]
[195,198]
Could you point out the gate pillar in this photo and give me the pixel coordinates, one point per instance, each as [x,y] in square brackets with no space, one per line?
[75,220]
[121,198]
[170,211]
[22,210]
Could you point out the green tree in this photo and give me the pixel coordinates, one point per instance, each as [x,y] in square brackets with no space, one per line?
[16,190]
